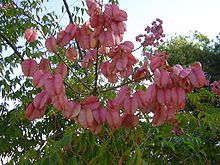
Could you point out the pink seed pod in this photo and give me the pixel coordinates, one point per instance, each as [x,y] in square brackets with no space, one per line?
[29,67]
[30,35]
[51,44]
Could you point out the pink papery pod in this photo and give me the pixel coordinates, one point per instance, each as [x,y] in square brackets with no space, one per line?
[97,20]
[215,87]
[63,38]
[85,118]
[113,12]
[93,7]
[130,121]
[155,62]
[181,72]
[51,44]
[29,67]
[72,110]
[181,97]
[160,115]
[170,112]
[140,97]
[40,77]
[30,35]
[91,102]
[162,78]
[99,115]
[54,85]
[118,29]
[41,99]
[96,128]
[44,64]
[61,69]
[123,93]
[131,105]
[151,93]
[107,38]
[113,119]
[178,97]
[164,96]
[93,40]
[121,64]
[89,58]
[197,76]
[71,54]
[60,102]
[127,46]
[141,72]
[32,113]
[109,72]
[71,30]
[161,96]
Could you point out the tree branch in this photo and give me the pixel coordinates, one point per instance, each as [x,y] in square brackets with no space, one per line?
[96,71]
[12,46]
[71,21]
[78,78]
[136,48]
[118,86]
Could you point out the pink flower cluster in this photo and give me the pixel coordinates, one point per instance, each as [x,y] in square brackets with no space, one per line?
[215,87]
[153,34]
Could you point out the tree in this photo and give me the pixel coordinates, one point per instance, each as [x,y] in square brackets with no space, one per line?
[97,112]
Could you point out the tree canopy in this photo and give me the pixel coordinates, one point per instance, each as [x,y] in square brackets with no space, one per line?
[75,93]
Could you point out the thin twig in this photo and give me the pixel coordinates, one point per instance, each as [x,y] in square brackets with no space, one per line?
[96,71]
[12,46]
[78,78]
[136,48]
[71,21]
[118,86]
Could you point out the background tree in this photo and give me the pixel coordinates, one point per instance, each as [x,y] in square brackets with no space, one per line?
[55,140]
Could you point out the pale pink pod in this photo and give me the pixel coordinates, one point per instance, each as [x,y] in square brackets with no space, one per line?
[30,35]
[72,110]
[60,102]
[40,77]
[71,29]
[167,95]
[55,85]
[63,38]
[151,93]
[85,118]
[123,93]
[113,119]
[41,100]
[91,102]
[51,44]
[61,69]
[71,54]
[32,113]
[44,64]
[29,67]
[99,115]
[161,96]
[174,96]
[130,121]
[181,97]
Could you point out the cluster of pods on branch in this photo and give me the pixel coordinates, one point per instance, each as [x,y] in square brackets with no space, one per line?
[102,36]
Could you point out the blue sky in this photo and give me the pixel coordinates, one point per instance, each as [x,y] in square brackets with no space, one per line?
[179,16]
